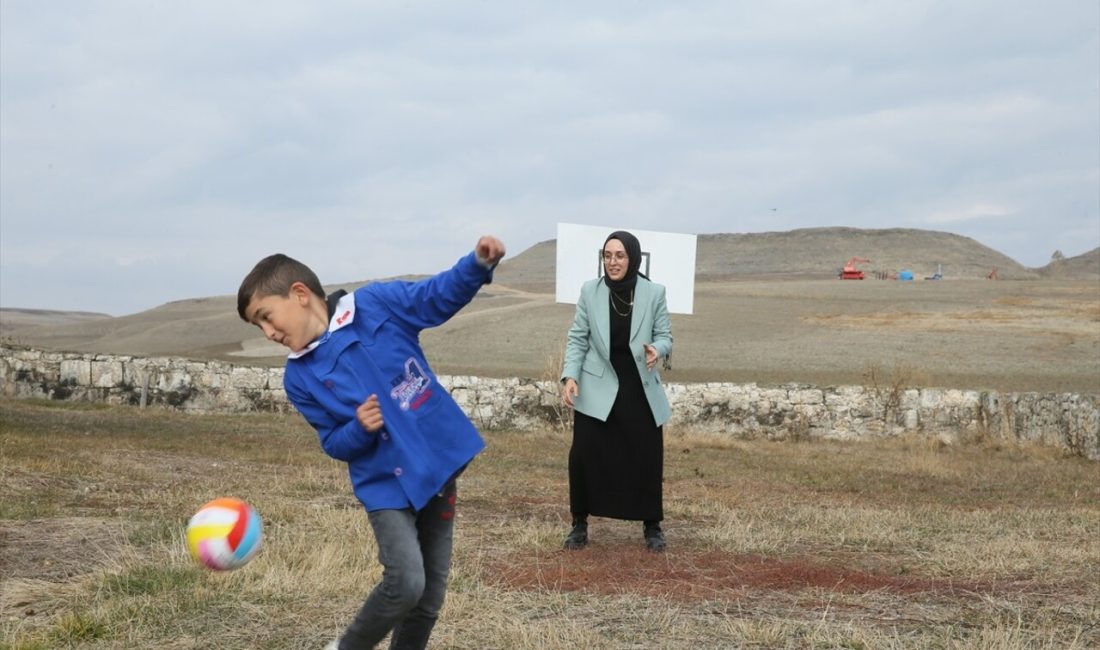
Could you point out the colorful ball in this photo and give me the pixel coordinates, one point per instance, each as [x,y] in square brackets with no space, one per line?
[224,534]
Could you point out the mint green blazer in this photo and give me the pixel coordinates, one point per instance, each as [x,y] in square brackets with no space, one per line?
[588,350]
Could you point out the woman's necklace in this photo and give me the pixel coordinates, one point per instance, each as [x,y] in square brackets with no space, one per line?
[629,305]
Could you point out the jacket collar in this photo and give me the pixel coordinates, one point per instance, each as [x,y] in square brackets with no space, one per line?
[342,316]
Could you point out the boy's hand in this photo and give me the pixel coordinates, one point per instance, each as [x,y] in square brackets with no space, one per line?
[369,414]
[489,250]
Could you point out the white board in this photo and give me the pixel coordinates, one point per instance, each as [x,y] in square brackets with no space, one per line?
[667,258]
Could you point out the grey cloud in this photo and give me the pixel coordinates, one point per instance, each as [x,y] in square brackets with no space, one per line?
[381,138]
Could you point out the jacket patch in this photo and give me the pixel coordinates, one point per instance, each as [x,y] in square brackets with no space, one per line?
[411,388]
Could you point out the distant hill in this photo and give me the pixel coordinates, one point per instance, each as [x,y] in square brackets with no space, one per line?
[12,319]
[533,269]
[1085,266]
[209,327]
[808,252]
[198,327]
[823,251]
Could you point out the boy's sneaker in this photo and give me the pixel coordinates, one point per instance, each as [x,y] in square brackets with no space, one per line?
[654,538]
[577,538]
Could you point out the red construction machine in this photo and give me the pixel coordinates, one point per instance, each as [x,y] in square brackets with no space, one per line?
[850,272]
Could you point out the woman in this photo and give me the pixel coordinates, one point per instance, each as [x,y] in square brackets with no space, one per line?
[610,381]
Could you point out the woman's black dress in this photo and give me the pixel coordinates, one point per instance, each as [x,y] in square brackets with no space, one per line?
[615,467]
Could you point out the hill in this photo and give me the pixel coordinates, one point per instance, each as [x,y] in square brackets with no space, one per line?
[807,253]
[820,252]
[13,320]
[1085,266]
[199,328]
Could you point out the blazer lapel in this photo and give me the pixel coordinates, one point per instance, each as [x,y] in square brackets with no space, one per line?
[602,314]
[641,307]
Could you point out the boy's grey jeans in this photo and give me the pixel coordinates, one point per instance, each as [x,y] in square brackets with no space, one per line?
[414,549]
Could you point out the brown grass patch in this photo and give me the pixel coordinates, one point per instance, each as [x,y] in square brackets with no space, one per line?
[695,574]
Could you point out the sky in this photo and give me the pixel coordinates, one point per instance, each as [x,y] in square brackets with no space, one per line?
[154,151]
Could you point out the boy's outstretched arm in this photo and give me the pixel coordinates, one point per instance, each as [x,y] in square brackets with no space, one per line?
[431,302]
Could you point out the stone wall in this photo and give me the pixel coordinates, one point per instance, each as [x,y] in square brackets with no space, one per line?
[1067,420]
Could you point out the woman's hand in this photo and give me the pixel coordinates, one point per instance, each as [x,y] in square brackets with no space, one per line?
[369,414]
[568,391]
[651,357]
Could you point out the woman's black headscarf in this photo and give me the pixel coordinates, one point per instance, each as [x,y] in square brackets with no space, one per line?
[634,256]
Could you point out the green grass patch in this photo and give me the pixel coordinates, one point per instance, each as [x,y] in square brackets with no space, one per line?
[149,581]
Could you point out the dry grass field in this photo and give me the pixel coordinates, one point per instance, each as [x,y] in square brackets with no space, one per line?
[894,544]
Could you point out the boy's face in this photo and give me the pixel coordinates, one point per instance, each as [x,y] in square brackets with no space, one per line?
[287,320]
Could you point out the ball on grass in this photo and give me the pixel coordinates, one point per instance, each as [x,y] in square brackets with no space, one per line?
[224,534]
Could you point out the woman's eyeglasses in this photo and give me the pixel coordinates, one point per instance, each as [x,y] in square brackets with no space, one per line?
[618,256]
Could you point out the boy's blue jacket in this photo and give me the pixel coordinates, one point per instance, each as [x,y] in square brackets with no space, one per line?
[372,347]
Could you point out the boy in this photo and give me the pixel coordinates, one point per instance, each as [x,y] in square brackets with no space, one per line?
[357,373]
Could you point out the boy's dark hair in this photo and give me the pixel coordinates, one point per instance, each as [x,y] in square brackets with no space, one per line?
[272,276]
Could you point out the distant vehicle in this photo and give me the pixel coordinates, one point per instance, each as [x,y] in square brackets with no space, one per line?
[905,275]
[850,272]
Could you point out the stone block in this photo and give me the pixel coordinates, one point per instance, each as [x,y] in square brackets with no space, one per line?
[806,396]
[931,399]
[713,396]
[524,393]
[106,373]
[549,399]
[77,371]
[740,402]
[461,396]
[214,379]
[774,395]
[243,377]
[962,399]
[173,380]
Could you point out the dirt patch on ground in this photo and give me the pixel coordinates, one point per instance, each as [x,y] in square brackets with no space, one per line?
[1035,316]
[693,575]
[57,549]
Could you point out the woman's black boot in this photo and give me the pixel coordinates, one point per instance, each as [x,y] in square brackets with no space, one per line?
[578,537]
[654,538]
